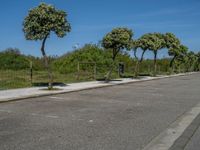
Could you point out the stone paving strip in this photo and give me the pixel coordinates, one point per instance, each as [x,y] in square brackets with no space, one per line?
[24,93]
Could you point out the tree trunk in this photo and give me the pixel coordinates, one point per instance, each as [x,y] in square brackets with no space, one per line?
[137,68]
[109,73]
[155,63]
[172,61]
[46,63]
[115,52]
[137,63]
[142,57]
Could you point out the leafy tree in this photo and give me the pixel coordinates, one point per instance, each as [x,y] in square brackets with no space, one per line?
[158,43]
[180,55]
[39,24]
[175,53]
[198,61]
[152,42]
[117,40]
[191,61]
[171,40]
[134,47]
[142,43]
[173,45]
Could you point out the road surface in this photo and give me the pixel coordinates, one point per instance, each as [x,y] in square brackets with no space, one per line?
[125,117]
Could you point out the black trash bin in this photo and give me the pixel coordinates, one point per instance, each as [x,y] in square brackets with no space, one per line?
[121,69]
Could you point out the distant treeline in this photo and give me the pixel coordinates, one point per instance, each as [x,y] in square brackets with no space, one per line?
[13,59]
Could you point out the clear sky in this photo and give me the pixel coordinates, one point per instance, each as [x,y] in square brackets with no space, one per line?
[92,19]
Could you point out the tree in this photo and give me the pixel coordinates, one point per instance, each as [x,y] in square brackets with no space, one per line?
[134,47]
[198,61]
[174,52]
[158,43]
[173,45]
[179,55]
[195,66]
[117,40]
[152,42]
[171,40]
[191,61]
[142,43]
[39,24]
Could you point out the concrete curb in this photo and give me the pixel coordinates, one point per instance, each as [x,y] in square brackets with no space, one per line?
[168,139]
[185,138]
[89,88]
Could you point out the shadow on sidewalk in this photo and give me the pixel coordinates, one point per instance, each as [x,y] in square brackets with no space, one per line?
[45,84]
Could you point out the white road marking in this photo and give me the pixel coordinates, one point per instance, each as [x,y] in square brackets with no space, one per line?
[57,98]
[156,94]
[7,111]
[46,116]
[33,114]
[50,116]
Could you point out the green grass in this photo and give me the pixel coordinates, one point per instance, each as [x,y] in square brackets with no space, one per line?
[12,79]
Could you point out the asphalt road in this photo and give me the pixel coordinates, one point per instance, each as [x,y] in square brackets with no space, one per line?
[125,117]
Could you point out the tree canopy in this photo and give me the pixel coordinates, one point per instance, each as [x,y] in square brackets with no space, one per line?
[118,39]
[154,41]
[171,41]
[43,20]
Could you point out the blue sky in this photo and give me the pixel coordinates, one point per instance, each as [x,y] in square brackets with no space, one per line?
[92,19]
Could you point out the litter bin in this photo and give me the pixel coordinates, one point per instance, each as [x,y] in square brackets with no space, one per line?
[121,69]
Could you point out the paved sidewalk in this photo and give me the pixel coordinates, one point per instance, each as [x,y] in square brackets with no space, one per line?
[16,94]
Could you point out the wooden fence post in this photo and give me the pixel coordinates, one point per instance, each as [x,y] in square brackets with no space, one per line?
[31,72]
[78,69]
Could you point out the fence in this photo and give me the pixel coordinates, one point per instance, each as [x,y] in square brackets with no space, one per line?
[11,79]
[14,79]
[85,71]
